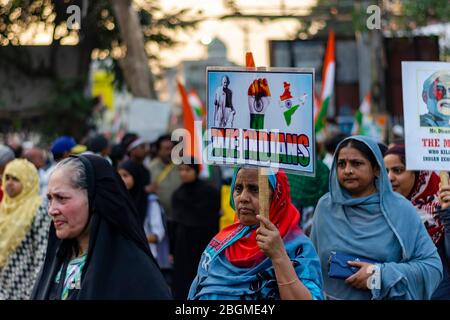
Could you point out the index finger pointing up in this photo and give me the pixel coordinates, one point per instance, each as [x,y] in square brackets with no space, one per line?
[266,222]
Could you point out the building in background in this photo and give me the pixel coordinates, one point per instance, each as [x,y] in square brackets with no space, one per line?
[356,64]
[193,75]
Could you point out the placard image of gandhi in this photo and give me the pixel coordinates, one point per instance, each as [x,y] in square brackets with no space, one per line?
[224,111]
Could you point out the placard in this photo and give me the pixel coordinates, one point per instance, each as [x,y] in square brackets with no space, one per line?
[261,118]
[426,110]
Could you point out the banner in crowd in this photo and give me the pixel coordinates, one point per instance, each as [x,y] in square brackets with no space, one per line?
[426,109]
[103,87]
[148,118]
[261,118]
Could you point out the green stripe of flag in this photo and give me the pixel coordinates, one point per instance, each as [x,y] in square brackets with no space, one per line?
[358,122]
[320,121]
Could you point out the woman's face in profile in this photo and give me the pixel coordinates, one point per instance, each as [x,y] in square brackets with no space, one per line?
[246,196]
[127,178]
[401,179]
[187,173]
[68,206]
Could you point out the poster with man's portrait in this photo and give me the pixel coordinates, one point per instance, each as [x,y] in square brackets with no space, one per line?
[426,110]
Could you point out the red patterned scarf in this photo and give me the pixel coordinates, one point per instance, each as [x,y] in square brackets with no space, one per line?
[424,196]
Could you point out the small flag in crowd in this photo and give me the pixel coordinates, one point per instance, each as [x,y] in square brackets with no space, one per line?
[193,112]
[327,83]
[197,106]
[362,116]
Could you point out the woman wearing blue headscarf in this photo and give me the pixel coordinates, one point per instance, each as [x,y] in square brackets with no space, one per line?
[362,218]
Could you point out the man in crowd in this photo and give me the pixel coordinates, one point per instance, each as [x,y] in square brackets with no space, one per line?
[166,179]
[36,156]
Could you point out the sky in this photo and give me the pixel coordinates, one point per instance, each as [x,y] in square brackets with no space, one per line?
[231,31]
[192,44]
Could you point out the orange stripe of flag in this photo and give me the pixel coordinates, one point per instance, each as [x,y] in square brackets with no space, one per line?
[329,57]
[188,121]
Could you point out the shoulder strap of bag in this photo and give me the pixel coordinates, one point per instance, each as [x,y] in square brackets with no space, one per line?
[163,175]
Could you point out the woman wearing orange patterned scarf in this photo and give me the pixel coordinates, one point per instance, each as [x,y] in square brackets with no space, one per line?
[257,258]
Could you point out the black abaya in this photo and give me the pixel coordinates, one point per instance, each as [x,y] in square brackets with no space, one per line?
[196,209]
[141,177]
[119,264]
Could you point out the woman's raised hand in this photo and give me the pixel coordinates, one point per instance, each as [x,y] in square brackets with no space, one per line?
[269,240]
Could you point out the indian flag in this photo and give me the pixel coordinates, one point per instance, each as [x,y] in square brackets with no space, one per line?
[362,115]
[199,110]
[191,117]
[327,83]
[317,104]
[196,105]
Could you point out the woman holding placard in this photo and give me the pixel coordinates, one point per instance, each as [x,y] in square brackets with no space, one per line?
[421,188]
[258,258]
[370,240]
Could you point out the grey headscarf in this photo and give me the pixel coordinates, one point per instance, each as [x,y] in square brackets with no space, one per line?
[6,155]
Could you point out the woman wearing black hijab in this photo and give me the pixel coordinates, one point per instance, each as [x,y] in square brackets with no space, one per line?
[97,248]
[196,206]
[137,192]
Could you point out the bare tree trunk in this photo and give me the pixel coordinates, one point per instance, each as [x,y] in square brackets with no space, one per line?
[135,63]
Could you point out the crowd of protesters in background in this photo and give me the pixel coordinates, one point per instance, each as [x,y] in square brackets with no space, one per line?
[183,218]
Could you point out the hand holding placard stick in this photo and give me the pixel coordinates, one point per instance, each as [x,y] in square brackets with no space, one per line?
[443,186]
[263,183]
[257,143]
[444,178]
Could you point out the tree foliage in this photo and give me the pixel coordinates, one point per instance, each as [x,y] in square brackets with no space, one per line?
[98,24]
[98,35]
[424,12]
[346,16]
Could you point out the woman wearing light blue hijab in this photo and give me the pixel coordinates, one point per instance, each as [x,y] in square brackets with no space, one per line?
[362,217]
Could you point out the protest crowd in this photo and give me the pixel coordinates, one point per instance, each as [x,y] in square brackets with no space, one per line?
[278,201]
[366,212]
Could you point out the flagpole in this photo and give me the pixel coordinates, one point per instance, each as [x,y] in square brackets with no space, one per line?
[444,178]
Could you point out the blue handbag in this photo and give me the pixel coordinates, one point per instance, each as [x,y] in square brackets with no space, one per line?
[338,267]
